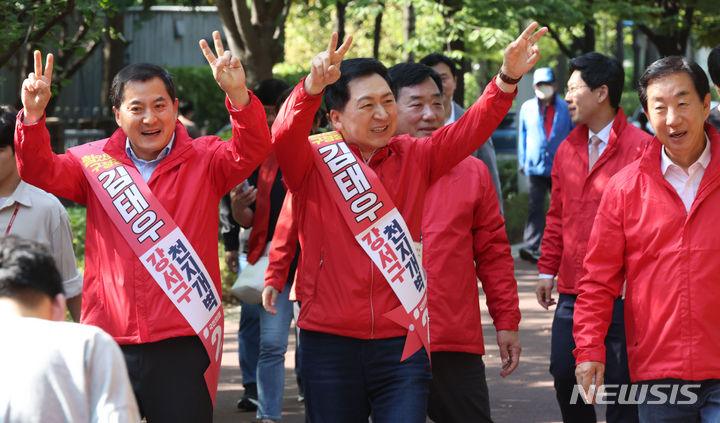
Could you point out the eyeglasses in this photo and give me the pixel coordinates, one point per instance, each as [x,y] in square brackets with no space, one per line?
[571,90]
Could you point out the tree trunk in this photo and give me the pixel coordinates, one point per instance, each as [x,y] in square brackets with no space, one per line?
[409,18]
[377,34]
[113,60]
[341,7]
[255,36]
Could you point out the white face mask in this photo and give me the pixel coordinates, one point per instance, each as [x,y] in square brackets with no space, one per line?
[544,91]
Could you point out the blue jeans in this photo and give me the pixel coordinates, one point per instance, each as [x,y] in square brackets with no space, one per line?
[704,407]
[348,379]
[249,341]
[562,364]
[271,363]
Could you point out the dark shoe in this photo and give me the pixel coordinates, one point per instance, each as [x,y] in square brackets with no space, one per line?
[249,400]
[529,255]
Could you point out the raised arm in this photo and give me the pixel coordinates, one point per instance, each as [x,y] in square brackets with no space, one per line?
[250,142]
[452,143]
[36,163]
[295,118]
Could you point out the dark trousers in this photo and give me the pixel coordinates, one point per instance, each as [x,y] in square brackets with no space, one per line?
[458,391]
[168,380]
[562,364]
[538,187]
[697,401]
[348,379]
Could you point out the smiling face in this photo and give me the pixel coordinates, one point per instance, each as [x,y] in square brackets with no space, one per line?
[420,109]
[147,115]
[677,114]
[369,118]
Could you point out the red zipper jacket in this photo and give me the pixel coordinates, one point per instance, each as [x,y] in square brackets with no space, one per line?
[119,295]
[341,290]
[669,258]
[576,196]
[464,239]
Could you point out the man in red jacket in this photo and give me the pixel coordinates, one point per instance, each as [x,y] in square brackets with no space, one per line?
[602,143]
[351,350]
[464,239]
[161,164]
[656,230]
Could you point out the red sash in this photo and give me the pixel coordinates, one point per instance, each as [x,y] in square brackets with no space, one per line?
[380,230]
[161,247]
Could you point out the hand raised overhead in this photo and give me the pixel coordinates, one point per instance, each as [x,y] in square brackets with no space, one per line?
[325,67]
[522,54]
[35,92]
[227,70]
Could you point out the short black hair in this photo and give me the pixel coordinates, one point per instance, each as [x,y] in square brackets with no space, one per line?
[269,90]
[27,269]
[408,74]
[597,70]
[8,115]
[139,72]
[435,58]
[185,107]
[713,65]
[337,94]
[668,66]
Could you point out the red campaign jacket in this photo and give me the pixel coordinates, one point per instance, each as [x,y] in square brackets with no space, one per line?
[119,295]
[341,290]
[283,248]
[464,239]
[669,259]
[576,196]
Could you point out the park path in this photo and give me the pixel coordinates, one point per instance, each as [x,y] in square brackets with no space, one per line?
[525,396]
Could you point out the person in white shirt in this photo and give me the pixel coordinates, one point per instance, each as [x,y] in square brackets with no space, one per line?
[32,213]
[53,371]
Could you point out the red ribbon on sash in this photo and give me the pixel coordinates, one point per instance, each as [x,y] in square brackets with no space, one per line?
[380,230]
[161,247]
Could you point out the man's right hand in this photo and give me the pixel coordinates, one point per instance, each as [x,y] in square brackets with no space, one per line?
[269,299]
[35,93]
[325,67]
[543,292]
[590,373]
[231,259]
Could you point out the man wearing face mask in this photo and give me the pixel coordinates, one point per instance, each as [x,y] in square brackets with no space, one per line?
[544,123]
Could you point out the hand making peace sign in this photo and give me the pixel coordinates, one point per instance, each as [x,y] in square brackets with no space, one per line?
[35,92]
[522,54]
[325,67]
[227,70]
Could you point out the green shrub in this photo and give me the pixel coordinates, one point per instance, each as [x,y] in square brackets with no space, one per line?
[77,224]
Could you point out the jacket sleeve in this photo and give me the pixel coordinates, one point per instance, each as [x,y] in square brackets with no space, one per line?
[59,174]
[229,228]
[282,247]
[604,275]
[236,159]
[522,138]
[290,136]
[494,264]
[452,143]
[552,240]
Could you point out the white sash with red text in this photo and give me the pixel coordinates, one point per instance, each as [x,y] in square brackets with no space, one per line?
[161,247]
[380,230]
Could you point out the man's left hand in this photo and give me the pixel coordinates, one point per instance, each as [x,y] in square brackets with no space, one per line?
[228,71]
[522,54]
[510,348]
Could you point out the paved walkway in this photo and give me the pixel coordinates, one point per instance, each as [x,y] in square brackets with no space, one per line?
[525,396]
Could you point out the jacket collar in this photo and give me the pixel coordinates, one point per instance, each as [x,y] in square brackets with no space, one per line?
[377,157]
[650,163]
[182,148]
[578,138]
